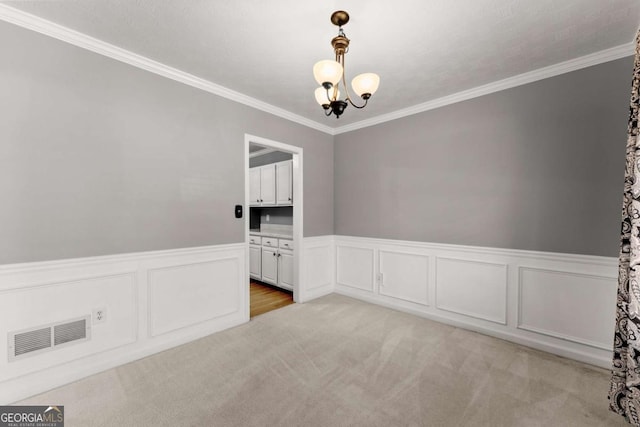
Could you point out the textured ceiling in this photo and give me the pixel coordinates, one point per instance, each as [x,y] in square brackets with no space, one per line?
[421,49]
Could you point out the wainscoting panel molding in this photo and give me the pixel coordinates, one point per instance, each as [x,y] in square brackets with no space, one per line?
[567,305]
[318,267]
[39,304]
[354,267]
[185,295]
[559,303]
[472,288]
[151,301]
[404,275]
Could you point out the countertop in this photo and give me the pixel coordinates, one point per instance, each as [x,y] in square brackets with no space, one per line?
[270,234]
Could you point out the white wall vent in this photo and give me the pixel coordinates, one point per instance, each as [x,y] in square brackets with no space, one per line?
[41,339]
[68,332]
[35,340]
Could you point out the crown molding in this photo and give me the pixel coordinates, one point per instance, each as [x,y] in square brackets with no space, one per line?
[48,28]
[596,58]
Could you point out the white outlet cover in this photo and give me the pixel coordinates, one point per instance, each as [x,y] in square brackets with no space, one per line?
[99,315]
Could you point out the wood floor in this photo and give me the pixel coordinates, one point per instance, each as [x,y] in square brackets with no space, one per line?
[265,298]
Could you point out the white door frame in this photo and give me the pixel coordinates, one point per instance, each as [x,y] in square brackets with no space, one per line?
[297,209]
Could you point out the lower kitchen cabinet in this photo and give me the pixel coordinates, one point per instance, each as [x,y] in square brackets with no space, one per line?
[270,265]
[271,261]
[255,262]
[285,269]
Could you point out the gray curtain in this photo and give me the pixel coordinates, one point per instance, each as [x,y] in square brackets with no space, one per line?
[624,394]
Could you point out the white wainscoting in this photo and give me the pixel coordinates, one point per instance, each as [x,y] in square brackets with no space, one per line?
[153,301]
[404,275]
[185,295]
[571,306]
[473,288]
[560,303]
[318,267]
[354,267]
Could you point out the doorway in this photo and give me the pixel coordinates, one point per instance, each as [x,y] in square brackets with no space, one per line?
[264,298]
[273,222]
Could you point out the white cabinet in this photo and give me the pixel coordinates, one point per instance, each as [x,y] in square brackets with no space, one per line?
[254,186]
[268,184]
[270,265]
[284,183]
[271,260]
[262,185]
[285,269]
[271,185]
[270,242]
[255,262]
[285,244]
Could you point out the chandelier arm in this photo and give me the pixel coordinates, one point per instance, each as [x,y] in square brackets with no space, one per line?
[346,88]
[351,102]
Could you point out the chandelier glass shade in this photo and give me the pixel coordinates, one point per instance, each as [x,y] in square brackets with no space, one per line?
[328,71]
[330,74]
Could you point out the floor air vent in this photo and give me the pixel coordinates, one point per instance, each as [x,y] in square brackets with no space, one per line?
[48,337]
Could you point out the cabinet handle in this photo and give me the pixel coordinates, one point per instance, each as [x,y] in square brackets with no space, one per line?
[289,198]
[279,255]
[274,254]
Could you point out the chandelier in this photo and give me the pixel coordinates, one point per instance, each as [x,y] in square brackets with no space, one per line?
[328,74]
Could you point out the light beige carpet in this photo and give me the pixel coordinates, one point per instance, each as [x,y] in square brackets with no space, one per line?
[337,361]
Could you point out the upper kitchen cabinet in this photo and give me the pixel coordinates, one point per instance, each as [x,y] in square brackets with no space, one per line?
[284,183]
[271,185]
[262,185]
[254,186]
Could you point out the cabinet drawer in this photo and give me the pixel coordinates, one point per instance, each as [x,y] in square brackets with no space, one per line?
[270,242]
[286,244]
[255,240]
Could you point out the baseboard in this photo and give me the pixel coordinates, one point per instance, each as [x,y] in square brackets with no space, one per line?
[154,301]
[558,303]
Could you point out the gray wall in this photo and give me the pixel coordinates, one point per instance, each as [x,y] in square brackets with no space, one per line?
[536,167]
[98,157]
